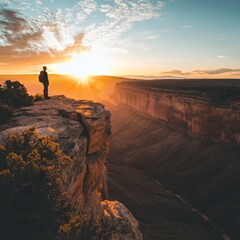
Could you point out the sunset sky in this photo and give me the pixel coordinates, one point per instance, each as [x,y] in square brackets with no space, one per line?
[182,38]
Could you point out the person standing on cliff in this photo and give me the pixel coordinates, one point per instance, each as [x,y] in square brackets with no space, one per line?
[43,78]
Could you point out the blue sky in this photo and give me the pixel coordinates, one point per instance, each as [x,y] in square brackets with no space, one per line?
[140,37]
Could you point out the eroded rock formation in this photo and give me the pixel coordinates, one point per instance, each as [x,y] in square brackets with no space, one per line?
[83,130]
[201,118]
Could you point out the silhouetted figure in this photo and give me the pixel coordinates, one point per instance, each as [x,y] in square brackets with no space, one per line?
[43,78]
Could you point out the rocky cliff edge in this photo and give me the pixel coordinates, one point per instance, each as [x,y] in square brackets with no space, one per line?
[200,116]
[82,128]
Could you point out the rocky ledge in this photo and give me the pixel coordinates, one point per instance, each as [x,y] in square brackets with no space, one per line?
[83,129]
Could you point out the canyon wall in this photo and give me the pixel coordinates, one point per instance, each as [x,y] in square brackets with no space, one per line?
[83,129]
[210,122]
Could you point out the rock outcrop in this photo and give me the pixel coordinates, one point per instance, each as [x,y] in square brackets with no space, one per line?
[201,118]
[83,129]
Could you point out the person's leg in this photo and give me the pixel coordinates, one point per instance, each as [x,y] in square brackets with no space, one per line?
[45,91]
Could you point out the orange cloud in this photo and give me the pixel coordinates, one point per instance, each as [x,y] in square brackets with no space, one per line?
[24,43]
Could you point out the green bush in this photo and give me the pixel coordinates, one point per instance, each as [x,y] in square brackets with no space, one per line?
[5,113]
[14,94]
[33,202]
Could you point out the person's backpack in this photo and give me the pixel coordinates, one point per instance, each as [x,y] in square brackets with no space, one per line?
[41,77]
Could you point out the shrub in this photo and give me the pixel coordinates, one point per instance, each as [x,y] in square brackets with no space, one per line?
[5,113]
[14,94]
[38,97]
[77,228]
[33,203]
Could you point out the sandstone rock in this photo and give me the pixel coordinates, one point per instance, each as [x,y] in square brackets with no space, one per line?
[124,225]
[83,129]
[197,115]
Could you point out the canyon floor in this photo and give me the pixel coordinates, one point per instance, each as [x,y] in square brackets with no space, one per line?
[162,215]
[147,158]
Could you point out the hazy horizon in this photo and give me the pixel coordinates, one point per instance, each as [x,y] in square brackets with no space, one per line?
[125,76]
[94,88]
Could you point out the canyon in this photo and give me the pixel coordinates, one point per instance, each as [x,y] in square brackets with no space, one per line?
[153,141]
[162,162]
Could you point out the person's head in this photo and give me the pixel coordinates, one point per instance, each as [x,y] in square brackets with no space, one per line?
[44,68]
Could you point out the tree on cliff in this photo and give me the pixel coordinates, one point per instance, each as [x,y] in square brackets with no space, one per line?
[13,94]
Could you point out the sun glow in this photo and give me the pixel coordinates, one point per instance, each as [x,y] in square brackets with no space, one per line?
[94,62]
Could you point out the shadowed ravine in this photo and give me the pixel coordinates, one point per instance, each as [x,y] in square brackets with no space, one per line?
[203,216]
[162,215]
[169,159]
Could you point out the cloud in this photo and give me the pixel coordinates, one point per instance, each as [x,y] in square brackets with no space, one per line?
[11,22]
[217,71]
[87,6]
[54,34]
[222,56]
[39,2]
[194,73]
[119,15]
[236,75]
[177,72]
[34,40]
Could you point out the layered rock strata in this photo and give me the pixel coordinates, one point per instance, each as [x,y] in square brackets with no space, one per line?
[201,118]
[83,129]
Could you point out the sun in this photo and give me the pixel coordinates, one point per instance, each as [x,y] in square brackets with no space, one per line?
[93,62]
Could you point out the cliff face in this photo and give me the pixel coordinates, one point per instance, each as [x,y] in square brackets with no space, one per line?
[83,129]
[197,116]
